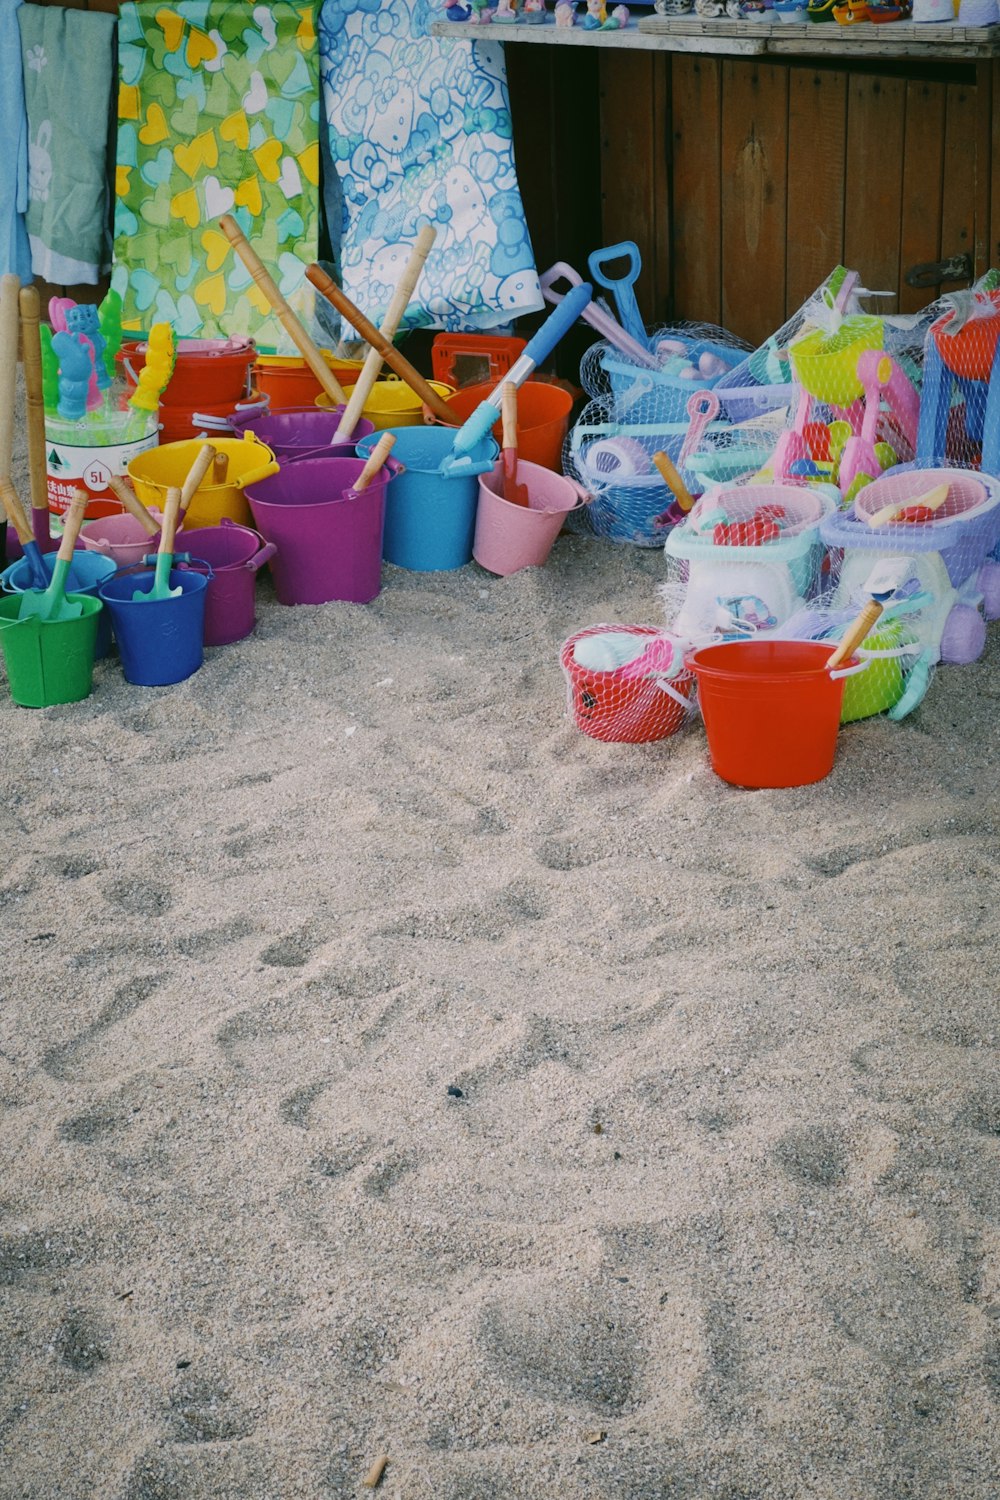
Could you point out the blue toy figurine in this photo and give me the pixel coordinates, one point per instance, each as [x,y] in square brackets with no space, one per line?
[84,318]
[75,369]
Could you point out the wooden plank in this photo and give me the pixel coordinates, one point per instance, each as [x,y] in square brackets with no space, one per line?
[993,258]
[958,198]
[984,166]
[696,108]
[817,113]
[634,185]
[873,181]
[923,164]
[754,135]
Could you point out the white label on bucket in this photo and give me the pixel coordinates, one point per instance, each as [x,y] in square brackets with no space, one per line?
[69,465]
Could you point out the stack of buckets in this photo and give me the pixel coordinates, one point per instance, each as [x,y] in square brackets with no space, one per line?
[211,377]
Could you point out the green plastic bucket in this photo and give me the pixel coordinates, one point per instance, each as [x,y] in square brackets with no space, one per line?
[49,661]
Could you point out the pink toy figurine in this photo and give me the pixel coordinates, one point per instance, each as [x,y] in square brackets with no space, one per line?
[618,19]
[565,13]
[505,13]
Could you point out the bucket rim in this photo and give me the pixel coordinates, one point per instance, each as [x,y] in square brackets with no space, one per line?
[820,652]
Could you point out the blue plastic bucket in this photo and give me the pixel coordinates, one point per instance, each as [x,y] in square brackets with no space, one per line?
[160,640]
[430,517]
[87,572]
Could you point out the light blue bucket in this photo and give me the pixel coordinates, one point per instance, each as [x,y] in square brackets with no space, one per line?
[87,571]
[430,517]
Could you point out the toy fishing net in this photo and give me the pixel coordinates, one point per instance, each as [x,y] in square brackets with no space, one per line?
[627,684]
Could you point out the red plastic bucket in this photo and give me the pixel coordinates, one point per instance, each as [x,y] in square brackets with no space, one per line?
[288,381]
[216,371]
[542,418]
[771,710]
[620,709]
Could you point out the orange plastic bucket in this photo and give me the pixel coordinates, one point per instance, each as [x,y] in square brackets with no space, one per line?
[542,418]
[771,710]
[288,381]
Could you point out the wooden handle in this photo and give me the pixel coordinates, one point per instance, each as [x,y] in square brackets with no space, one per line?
[11,503]
[394,316]
[856,633]
[328,288]
[673,481]
[72,524]
[220,468]
[123,491]
[373,1478]
[376,459]
[932,500]
[170,512]
[508,415]
[204,460]
[31,348]
[10,286]
[267,286]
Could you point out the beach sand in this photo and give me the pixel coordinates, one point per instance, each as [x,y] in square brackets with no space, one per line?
[716,1215]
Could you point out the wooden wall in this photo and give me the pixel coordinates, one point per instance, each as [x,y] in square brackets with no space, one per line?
[744,182]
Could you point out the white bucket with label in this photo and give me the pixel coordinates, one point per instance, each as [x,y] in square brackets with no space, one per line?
[90,453]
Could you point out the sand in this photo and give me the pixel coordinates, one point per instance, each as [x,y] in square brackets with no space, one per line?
[716,1213]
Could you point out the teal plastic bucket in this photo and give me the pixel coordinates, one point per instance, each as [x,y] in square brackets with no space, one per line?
[430,517]
[87,571]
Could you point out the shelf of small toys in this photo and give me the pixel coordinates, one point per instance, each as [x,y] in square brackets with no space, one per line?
[751,36]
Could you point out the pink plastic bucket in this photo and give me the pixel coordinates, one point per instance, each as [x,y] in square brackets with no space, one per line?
[119,537]
[510,537]
[234,554]
[329,547]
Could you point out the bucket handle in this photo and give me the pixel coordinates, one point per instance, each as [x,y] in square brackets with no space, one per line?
[689,705]
[258,560]
[143,567]
[263,471]
[861,666]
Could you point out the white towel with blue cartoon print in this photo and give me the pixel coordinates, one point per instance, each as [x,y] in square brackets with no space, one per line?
[420,133]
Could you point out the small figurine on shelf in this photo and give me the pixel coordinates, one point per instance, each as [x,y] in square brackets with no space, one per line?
[596,15]
[618,19]
[565,12]
[506,13]
[482,13]
[457,10]
[533,12]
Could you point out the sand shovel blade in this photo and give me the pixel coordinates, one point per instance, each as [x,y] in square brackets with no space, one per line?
[54,603]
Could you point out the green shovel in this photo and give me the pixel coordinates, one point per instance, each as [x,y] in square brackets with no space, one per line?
[165,552]
[53,604]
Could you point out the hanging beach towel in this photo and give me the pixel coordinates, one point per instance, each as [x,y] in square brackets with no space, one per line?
[218,112]
[14,252]
[420,132]
[67,63]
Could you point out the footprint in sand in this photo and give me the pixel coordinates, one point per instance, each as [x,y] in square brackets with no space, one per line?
[82,1342]
[813,1154]
[139,898]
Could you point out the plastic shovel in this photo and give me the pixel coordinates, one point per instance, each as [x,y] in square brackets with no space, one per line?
[477,427]
[53,604]
[514,493]
[15,513]
[683,499]
[882,583]
[623,287]
[165,553]
[702,409]
[597,317]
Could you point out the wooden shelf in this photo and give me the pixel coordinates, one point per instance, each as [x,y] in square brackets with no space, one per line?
[750,38]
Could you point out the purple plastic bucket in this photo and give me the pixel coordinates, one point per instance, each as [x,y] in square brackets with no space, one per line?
[301,431]
[234,554]
[328,547]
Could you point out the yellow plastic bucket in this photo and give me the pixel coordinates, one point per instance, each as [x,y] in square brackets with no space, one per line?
[392,403]
[827,363]
[153,473]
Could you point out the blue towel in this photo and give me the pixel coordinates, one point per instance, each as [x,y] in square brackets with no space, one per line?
[420,133]
[68,58]
[14,252]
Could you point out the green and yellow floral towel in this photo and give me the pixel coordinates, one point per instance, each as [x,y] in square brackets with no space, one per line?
[218,112]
